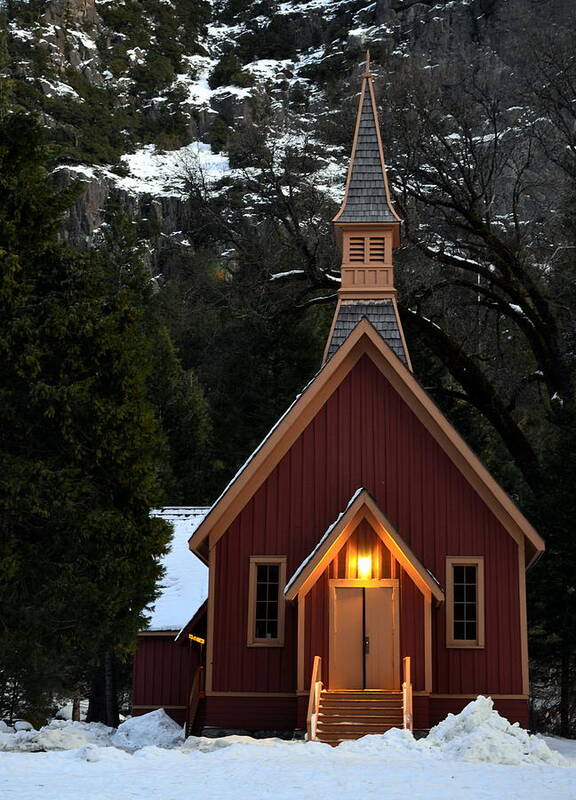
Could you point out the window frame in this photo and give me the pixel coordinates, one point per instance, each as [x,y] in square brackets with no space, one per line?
[465,561]
[255,562]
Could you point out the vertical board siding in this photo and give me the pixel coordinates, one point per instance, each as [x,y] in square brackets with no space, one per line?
[270,714]
[163,672]
[317,616]
[365,436]
[412,629]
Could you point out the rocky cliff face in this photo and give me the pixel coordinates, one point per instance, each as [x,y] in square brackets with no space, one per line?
[137,94]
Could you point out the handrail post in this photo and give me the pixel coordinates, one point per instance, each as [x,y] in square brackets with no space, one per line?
[314,699]
[196,692]
[407,695]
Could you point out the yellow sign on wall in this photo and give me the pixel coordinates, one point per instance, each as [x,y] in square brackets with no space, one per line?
[198,639]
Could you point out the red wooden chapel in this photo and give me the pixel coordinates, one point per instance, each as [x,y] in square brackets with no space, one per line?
[365,570]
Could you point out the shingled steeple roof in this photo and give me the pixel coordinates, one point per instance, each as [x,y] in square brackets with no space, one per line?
[368,229]
[367,196]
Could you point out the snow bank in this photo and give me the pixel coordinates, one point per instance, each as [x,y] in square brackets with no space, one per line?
[58,735]
[155,728]
[206,744]
[94,753]
[478,734]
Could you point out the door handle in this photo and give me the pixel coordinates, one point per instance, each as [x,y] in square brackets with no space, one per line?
[366,645]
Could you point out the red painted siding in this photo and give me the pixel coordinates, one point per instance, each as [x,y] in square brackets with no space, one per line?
[412,629]
[252,713]
[421,712]
[163,672]
[316,642]
[365,436]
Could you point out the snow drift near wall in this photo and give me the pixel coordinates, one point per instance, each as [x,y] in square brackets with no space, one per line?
[477,734]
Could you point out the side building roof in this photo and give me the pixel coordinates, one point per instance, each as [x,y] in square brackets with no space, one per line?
[184,587]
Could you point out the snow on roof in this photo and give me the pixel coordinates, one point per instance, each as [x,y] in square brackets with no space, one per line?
[184,586]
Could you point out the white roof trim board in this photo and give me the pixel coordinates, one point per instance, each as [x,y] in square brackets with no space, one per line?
[362,501]
[257,450]
[323,538]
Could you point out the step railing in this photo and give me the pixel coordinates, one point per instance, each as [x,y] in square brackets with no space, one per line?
[316,687]
[196,692]
[407,696]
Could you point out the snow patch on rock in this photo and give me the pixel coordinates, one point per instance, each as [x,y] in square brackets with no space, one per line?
[163,173]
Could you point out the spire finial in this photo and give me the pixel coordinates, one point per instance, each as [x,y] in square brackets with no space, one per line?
[367,72]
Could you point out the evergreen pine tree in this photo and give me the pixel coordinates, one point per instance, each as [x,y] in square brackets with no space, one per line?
[78,442]
[175,392]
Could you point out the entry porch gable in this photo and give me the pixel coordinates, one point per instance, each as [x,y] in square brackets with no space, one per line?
[313,586]
[361,506]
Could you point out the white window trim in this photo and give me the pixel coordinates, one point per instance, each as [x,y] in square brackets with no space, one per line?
[254,562]
[465,561]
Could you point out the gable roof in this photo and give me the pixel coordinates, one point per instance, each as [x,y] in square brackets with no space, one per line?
[367,196]
[184,585]
[364,340]
[361,506]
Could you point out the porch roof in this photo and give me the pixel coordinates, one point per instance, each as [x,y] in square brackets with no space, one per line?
[360,506]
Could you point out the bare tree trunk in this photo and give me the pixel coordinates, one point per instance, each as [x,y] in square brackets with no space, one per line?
[565,689]
[110,694]
[103,704]
[76,708]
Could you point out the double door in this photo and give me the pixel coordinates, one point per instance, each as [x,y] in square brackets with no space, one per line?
[364,636]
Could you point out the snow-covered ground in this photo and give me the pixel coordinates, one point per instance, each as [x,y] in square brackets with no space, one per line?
[473,755]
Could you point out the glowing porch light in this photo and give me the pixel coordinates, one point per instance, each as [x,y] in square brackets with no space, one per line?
[365,567]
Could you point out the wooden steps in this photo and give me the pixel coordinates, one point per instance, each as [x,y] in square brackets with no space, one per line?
[350,714]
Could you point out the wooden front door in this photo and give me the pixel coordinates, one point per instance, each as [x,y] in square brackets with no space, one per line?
[364,651]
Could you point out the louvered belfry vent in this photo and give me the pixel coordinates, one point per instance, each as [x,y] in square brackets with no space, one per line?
[357,248]
[376,248]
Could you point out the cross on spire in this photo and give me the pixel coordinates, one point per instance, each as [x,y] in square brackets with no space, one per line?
[367,72]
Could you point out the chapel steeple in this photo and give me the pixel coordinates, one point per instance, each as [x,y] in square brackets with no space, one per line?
[368,229]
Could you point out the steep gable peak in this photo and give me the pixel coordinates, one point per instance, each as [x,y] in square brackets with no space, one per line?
[363,341]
